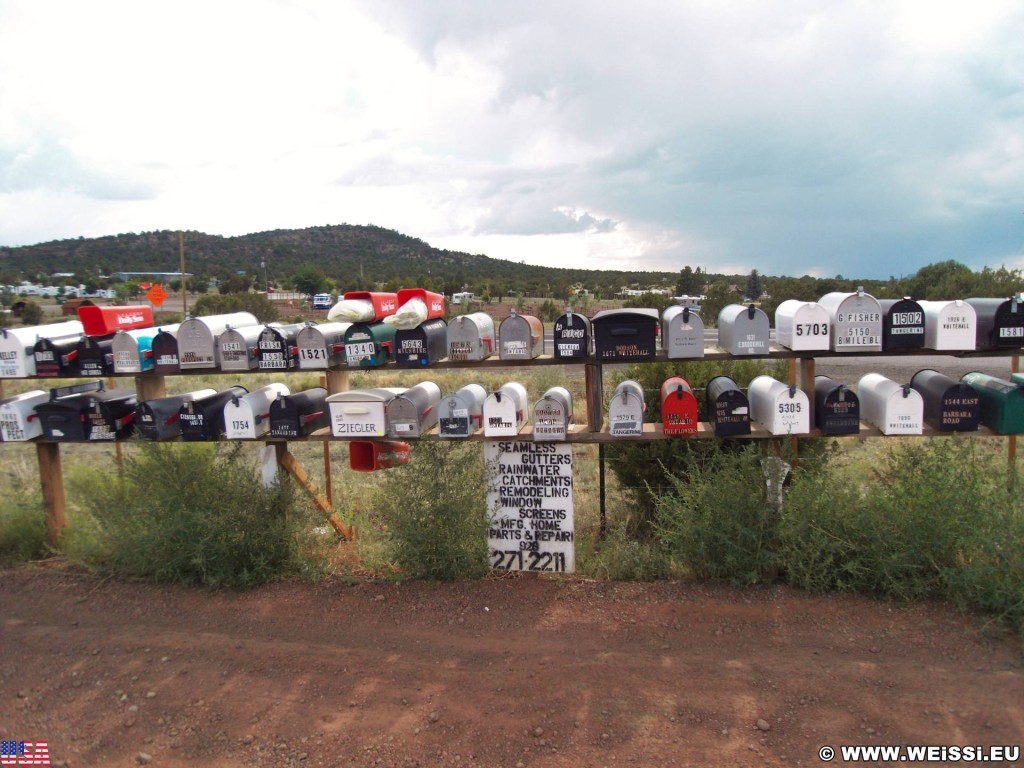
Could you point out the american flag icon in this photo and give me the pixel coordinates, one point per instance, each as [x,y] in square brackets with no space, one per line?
[24,753]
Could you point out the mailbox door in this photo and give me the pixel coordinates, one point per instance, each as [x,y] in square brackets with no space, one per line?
[802,326]
[64,419]
[552,415]
[572,337]
[902,324]
[625,334]
[95,357]
[423,345]
[361,412]
[18,418]
[196,346]
[625,415]
[743,330]
[56,357]
[836,408]
[520,337]
[949,325]
[127,352]
[503,411]
[165,353]
[730,413]
[111,415]
[461,414]
[949,405]
[322,346]
[276,348]
[682,333]
[893,408]
[471,337]
[856,320]
[300,413]
[415,411]
[678,407]
[369,345]
[238,348]
[159,419]
[203,417]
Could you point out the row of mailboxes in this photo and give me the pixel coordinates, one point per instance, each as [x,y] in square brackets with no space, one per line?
[80,412]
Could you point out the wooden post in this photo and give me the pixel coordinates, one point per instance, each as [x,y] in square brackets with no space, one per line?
[150,387]
[51,478]
[337,381]
[595,396]
[328,488]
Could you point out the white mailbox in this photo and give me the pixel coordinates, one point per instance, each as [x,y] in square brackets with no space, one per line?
[197,338]
[855,320]
[802,326]
[414,411]
[782,409]
[471,337]
[18,418]
[16,346]
[461,414]
[743,330]
[361,412]
[949,325]
[626,410]
[552,415]
[247,417]
[896,409]
[238,348]
[505,410]
[682,333]
[133,350]
[322,346]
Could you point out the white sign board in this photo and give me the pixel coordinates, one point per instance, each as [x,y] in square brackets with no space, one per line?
[529,502]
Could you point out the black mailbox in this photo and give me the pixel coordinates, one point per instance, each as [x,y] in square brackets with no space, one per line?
[88,412]
[276,349]
[159,419]
[165,353]
[836,407]
[56,357]
[727,407]
[299,414]
[1000,322]
[95,356]
[949,405]
[203,418]
[902,324]
[425,344]
[626,334]
[572,337]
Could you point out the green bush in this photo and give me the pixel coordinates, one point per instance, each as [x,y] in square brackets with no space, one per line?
[623,558]
[22,527]
[434,511]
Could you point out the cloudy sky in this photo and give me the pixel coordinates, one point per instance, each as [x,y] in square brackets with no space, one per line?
[862,138]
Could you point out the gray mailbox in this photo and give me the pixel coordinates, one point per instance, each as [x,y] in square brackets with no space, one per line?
[238,348]
[18,418]
[1000,322]
[361,412]
[836,407]
[552,415]
[505,410]
[743,330]
[727,407]
[471,337]
[682,333]
[855,320]
[16,346]
[461,414]
[903,325]
[949,325]
[160,418]
[572,337]
[626,410]
[782,409]
[949,405]
[415,411]
[197,337]
[521,337]
[896,409]
[802,326]
[321,346]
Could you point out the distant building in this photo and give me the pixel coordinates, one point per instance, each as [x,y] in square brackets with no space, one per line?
[160,276]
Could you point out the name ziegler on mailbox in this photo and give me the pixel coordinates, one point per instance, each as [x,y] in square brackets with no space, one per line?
[530,510]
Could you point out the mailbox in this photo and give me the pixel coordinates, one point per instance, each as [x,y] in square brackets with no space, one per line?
[18,418]
[552,415]
[364,307]
[95,356]
[106,321]
[17,344]
[727,407]
[1000,322]
[416,306]
[782,409]
[626,334]
[836,407]
[203,417]
[368,345]
[855,321]
[238,348]
[276,348]
[197,338]
[247,417]
[572,337]
[369,456]
[299,414]
[896,409]
[88,412]
[802,326]
[903,325]
[678,407]
[425,344]
[160,419]
[521,337]
[361,412]
[949,325]
[133,350]
[626,410]
[505,410]
[321,346]
[165,352]
[462,414]
[1002,403]
[949,405]
[682,333]
[471,337]
[56,357]
[414,412]
[743,330]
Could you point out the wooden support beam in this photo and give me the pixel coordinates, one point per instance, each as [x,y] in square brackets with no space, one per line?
[337,381]
[150,387]
[595,396]
[52,480]
[287,462]
[1011,448]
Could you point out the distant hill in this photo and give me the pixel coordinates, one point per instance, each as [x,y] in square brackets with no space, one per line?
[356,257]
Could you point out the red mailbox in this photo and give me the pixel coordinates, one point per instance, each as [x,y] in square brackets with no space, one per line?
[105,321]
[369,456]
[678,407]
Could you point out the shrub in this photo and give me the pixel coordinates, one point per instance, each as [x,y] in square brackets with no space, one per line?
[623,558]
[22,527]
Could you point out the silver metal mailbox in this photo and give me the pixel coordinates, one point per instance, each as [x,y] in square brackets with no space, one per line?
[471,337]
[361,412]
[18,418]
[322,346]
[17,344]
[505,410]
[903,325]
[197,337]
[160,418]
[415,411]
[520,337]
[552,415]
[461,414]
[802,326]
[949,325]
[1000,322]
[896,409]
[238,348]
[247,417]
[855,320]
[573,337]
[949,405]
[743,330]
[276,348]
[836,407]
[782,409]
[626,410]
[133,350]
[682,333]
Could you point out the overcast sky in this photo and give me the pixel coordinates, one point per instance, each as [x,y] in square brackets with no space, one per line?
[862,138]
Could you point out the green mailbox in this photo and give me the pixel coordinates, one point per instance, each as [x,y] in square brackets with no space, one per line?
[368,345]
[1002,403]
